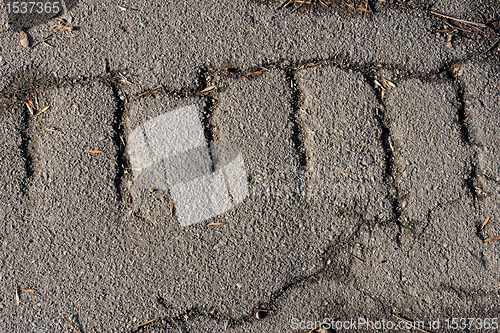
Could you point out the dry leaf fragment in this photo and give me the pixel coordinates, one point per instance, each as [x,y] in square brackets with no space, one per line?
[256,73]
[149,91]
[121,7]
[171,206]
[2,30]
[24,39]
[389,83]
[310,64]
[29,290]
[485,222]
[43,110]
[145,323]
[123,141]
[29,105]
[491,239]
[217,223]
[93,151]
[480,191]
[207,89]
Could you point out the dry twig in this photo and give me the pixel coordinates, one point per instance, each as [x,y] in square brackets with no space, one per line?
[459,20]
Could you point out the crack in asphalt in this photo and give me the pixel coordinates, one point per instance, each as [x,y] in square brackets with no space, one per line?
[207,112]
[26,150]
[111,79]
[336,260]
[296,101]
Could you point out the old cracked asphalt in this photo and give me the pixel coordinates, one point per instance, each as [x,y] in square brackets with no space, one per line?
[370,139]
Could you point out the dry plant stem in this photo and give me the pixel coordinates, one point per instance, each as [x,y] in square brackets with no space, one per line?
[147,322]
[491,47]
[70,324]
[459,20]
[485,223]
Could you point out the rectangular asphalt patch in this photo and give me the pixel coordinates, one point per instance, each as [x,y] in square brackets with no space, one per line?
[432,161]
[342,140]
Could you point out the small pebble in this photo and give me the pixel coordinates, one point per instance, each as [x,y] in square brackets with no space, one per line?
[2,61]
[367,160]
[239,285]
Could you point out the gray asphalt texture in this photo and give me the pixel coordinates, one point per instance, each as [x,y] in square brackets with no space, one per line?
[370,143]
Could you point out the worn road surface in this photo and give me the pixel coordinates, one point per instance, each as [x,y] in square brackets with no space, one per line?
[363,183]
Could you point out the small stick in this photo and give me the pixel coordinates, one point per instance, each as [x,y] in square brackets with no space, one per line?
[123,141]
[206,89]
[314,329]
[485,222]
[217,223]
[145,323]
[324,4]
[44,41]
[36,103]
[491,239]
[302,4]
[180,329]
[359,259]
[459,20]
[461,28]
[70,324]
[283,4]
[491,47]
[144,93]
[43,110]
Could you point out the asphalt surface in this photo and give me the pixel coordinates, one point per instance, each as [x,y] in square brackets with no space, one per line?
[369,140]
